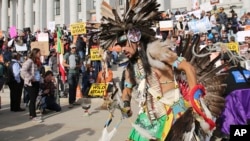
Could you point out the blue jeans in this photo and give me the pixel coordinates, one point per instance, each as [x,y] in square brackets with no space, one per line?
[115,56]
[82,55]
[73,79]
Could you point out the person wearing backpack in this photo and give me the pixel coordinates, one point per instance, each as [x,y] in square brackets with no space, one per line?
[71,61]
[15,83]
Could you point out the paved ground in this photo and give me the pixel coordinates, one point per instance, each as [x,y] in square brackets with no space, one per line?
[67,125]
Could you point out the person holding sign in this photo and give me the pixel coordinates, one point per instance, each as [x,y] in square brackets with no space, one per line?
[72,62]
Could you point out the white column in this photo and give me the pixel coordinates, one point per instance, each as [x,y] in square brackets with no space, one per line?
[37,15]
[84,10]
[20,14]
[73,11]
[43,15]
[98,10]
[50,11]
[13,13]
[28,22]
[4,15]
[162,5]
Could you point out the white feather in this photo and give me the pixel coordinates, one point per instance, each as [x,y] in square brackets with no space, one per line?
[189,135]
[143,132]
[206,110]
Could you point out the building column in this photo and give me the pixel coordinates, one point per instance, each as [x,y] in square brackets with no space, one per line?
[98,15]
[50,10]
[4,15]
[84,10]
[28,22]
[20,13]
[13,13]
[37,15]
[162,5]
[43,15]
[73,11]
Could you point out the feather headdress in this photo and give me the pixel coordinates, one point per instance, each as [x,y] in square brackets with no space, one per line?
[137,19]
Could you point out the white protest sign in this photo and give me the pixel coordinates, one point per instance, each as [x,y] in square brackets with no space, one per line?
[42,37]
[206,6]
[196,13]
[199,26]
[242,34]
[21,48]
[166,25]
[51,26]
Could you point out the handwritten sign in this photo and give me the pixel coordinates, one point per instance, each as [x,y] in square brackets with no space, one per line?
[21,48]
[247,27]
[98,89]
[51,26]
[13,32]
[200,26]
[43,37]
[243,51]
[43,46]
[78,28]
[214,2]
[166,25]
[233,47]
[242,34]
[95,55]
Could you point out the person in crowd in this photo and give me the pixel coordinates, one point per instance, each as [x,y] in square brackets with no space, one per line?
[222,18]
[48,93]
[247,20]
[15,83]
[87,79]
[53,61]
[72,62]
[165,17]
[66,44]
[216,37]
[31,75]
[81,47]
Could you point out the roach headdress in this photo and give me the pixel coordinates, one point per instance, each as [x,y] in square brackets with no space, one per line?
[134,24]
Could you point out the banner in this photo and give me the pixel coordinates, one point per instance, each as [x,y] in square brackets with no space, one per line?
[233,47]
[166,25]
[78,28]
[98,89]
[13,32]
[43,37]
[43,46]
[213,2]
[199,26]
[95,55]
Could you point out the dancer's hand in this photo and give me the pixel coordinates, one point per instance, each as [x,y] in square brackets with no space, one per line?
[127,111]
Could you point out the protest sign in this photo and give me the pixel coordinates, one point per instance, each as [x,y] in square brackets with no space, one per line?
[199,26]
[233,47]
[43,46]
[206,6]
[213,2]
[242,34]
[21,48]
[196,13]
[51,26]
[1,33]
[243,51]
[95,55]
[166,25]
[13,32]
[78,28]
[43,37]
[247,27]
[98,89]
